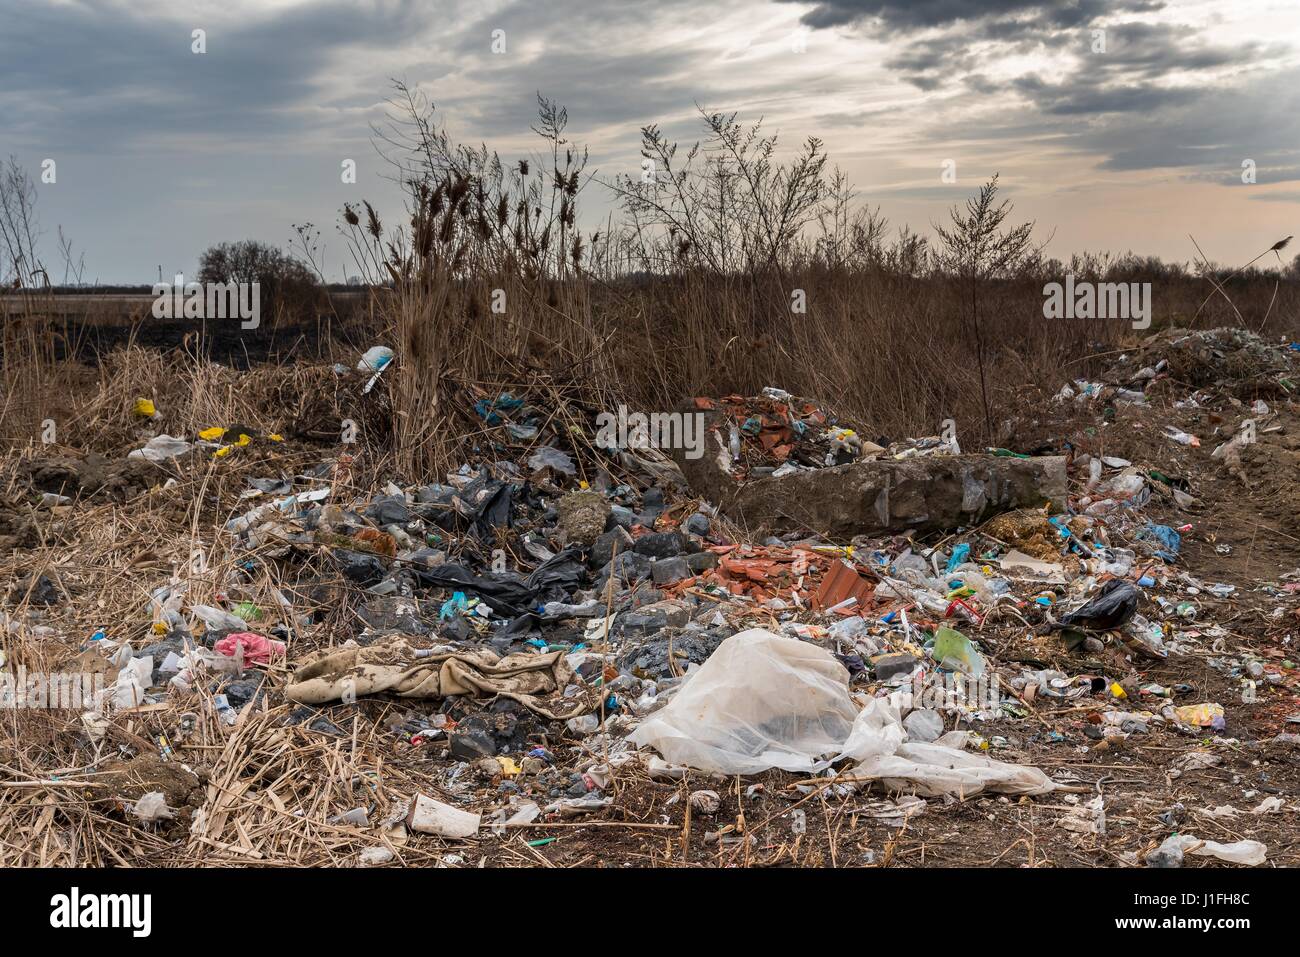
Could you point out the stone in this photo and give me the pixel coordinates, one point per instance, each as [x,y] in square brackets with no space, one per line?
[887,666]
[531,765]
[472,741]
[698,524]
[602,550]
[651,618]
[627,566]
[668,570]
[660,544]
[620,516]
[701,562]
[652,504]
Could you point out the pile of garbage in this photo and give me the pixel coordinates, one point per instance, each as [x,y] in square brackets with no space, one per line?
[777,433]
[542,634]
[1231,360]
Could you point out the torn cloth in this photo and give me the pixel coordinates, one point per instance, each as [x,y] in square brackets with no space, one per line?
[393,667]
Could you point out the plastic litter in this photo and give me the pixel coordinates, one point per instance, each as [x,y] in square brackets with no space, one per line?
[954,650]
[428,816]
[760,701]
[1170,853]
[161,448]
[878,742]
[152,808]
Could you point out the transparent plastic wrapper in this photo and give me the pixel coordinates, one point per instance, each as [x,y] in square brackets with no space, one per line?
[878,742]
[218,620]
[930,601]
[761,701]
[161,448]
[1170,853]
[1126,486]
[153,808]
[552,458]
[970,574]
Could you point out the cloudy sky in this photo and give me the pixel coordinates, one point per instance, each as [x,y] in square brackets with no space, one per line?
[161,152]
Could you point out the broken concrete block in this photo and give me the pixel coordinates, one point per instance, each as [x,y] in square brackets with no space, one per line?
[923,494]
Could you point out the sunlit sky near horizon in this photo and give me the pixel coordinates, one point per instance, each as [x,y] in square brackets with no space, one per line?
[162,152]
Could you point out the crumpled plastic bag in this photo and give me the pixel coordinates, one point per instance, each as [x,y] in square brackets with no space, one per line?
[760,701]
[129,688]
[878,742]
[257,649]
[552,458]
[765,701]
[153,808]
[1170,853]
[161,448]
[216,619]
[512,594]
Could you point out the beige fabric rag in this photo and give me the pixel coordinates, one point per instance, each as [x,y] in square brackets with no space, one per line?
[394,668]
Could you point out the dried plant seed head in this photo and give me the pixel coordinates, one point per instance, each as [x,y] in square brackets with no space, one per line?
[373,226]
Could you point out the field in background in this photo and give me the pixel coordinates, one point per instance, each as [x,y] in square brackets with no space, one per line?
[725,269]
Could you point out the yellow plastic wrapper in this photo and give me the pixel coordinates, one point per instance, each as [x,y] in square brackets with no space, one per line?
[508,767]
[212,434]
[1199,715]
[145,407]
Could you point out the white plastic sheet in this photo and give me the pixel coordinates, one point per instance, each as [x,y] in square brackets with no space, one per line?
[878,742]
[161,448]
[765,701]
[761,701]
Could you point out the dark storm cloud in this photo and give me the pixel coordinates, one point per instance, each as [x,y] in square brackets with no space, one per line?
[96,73]
[1161,95]
[908,15]
[1205,132]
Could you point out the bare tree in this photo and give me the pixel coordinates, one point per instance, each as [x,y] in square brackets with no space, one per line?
[727,204]
[977,250]
[19,228]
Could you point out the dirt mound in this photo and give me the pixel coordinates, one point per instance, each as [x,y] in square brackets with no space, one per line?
[117,480]
[17,528]
[125,782]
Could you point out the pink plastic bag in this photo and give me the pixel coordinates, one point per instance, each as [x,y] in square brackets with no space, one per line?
[258,649]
